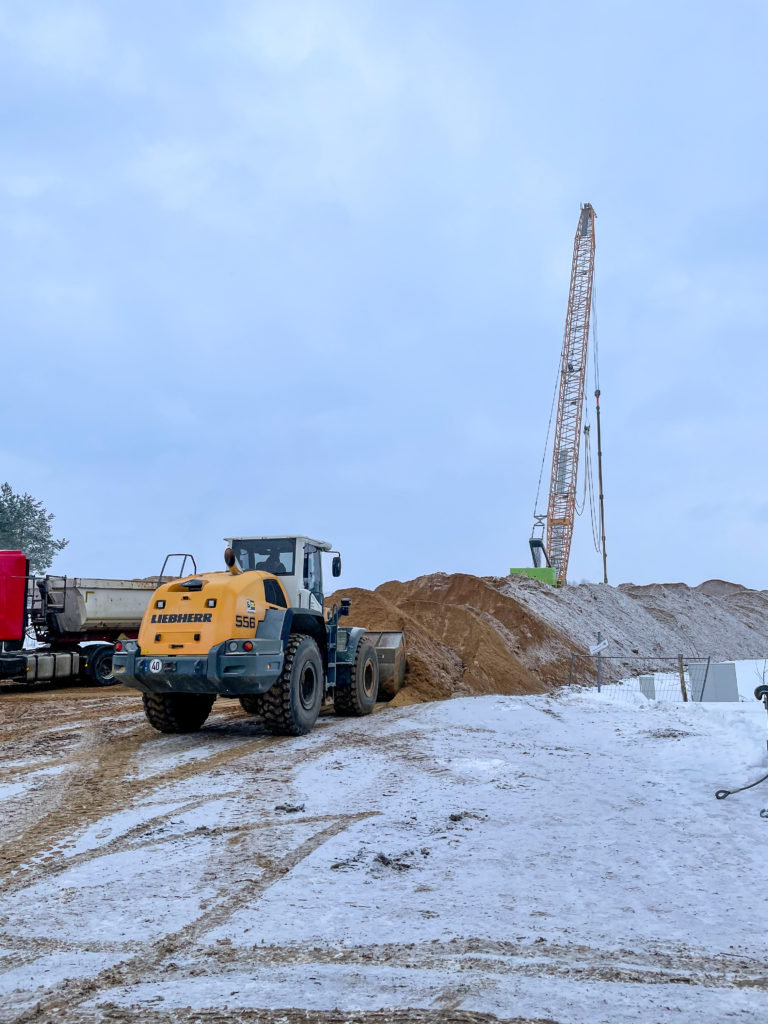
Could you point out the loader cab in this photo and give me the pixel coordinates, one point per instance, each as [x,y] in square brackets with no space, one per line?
[295,561]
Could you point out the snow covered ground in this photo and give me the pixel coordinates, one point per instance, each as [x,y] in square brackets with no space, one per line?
[559,859]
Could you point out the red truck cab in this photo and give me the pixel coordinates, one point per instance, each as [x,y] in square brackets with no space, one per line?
[14,570]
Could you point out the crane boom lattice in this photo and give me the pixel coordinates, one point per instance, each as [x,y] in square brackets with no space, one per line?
[561,509]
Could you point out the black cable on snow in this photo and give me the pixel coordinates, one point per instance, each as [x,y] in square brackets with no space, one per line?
[721,794]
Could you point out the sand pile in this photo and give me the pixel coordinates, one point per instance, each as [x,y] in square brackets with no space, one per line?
[471,635]
[721,620]
[463,636]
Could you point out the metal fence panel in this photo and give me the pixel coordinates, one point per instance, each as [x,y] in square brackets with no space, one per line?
[674,678]
[718,684]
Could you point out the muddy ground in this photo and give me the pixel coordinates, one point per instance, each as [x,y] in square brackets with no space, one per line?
[75,752]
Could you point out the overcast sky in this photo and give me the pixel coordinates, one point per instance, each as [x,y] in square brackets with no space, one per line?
[302,266]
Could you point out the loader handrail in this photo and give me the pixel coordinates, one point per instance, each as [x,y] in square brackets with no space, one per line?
[183,556]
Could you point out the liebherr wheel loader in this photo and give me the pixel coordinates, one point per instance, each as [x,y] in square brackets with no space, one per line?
[257,632]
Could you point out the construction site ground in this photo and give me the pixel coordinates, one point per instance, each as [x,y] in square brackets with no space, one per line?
[541,857]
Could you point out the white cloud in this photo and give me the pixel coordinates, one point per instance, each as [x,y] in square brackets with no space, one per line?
[176,171]
[338,99]
[714,297]
[71,39]
[26,185]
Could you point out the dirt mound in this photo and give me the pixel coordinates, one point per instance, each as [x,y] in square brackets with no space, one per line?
[463,637]
[470,635]
[719,588]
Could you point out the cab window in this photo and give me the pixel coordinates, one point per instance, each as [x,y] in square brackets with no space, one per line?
[275,556]
[313,572]
[273,594]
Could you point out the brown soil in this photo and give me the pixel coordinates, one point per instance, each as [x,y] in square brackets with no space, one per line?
[463,637]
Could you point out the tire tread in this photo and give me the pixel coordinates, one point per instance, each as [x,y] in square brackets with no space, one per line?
[276,702]
[253,703]
[347,700]
[177,712]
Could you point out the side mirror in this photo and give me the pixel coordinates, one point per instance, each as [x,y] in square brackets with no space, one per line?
[345,603]
[336,565]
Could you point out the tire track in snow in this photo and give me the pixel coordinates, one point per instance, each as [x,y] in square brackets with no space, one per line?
[473,957]
[492,954]
[64,1002]
[117,1015]
[97,785]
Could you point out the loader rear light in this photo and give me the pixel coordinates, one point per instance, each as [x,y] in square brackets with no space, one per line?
[159,604]
[211,602]
[247,646]
[232,645]
[119,645]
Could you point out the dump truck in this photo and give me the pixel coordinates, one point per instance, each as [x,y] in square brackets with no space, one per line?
[257,632]
[74,622]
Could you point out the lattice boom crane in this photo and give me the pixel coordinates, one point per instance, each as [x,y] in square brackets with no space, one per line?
[561,509]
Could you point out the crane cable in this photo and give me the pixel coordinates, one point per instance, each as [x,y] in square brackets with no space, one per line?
[595,515]
[546,442]
[595,359]
[589,465]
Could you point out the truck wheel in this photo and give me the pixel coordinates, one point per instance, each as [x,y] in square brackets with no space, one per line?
[99,670]
[291,706]
[177,712]
[252,703]
[359,698]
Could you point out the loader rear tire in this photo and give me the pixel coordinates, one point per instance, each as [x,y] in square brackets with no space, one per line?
[359,698]
[177,712]
[252,703]
[291,706]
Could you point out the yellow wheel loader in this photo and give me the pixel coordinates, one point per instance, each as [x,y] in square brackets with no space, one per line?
[257,632]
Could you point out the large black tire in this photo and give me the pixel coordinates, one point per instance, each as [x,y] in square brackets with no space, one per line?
[99,668]
[291,706]
[253,703]
[359,698]
[177,712]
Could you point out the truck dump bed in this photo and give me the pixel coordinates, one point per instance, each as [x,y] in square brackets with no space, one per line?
[79,605]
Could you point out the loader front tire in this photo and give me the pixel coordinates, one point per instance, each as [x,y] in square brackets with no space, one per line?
[177,712]
[291,706]
[252,703]
[359,698]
